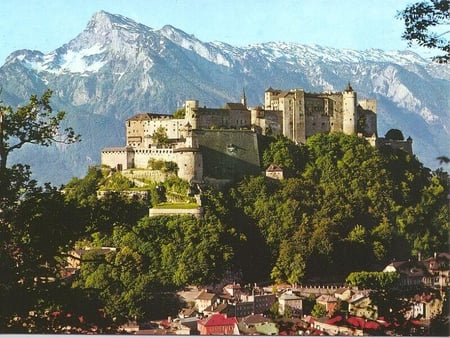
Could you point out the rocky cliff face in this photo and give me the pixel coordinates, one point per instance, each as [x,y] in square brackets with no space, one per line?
[117,67]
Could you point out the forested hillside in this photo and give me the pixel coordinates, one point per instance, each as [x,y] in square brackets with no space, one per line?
[344,206]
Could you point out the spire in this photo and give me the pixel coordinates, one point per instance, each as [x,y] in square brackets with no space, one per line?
[348,88]
[244,98]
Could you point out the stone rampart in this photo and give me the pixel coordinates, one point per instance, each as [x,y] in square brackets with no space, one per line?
[196,212]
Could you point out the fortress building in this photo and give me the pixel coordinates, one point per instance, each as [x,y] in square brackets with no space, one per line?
[221,145]
[299,115]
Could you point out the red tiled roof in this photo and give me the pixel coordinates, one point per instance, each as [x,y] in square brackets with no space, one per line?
[218,320]
[334,320]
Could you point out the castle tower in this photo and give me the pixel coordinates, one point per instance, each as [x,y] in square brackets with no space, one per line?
[190,114]
[349,110]
[189,158]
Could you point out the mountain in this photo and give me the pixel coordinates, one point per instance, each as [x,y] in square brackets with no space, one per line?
[117,67]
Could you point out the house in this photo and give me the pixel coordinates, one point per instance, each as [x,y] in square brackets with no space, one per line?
[216,308]
[267,329]
[205,299]
[424,306]
[412,273]
[254,324]
[191,324]
[234,290]
[218,324]
[438,267]
[360,305]
[329,302]
[313,326]
[344,294]
[187,312]
[289,300]
[275,172]
[75,258]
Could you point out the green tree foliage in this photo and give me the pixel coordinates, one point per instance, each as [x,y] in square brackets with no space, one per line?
[426,24]
[394,134]
[37,224]
[84,190]
[155,257]
[160,136]
[373,280]
[286,154]
[117,182]
[33,123]
[164,166]
[352,207]
[179,113]
[385,293]
[319,310]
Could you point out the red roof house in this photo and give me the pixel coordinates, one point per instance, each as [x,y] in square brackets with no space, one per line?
[218,324]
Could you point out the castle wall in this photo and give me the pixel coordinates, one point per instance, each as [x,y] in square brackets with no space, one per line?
[195,212]
[317,117]
[229,154]
[367,112]
[222,118]
[140,131]
[306,114]
[268,121]
[404,145]
[142,156]
[299,117]
[120,158]
[189,160]
[335,112]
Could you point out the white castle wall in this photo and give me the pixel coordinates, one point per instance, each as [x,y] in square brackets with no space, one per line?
[189,160]
[119,157]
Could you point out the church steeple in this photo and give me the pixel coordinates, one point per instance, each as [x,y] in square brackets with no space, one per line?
[244,98]
[349,88]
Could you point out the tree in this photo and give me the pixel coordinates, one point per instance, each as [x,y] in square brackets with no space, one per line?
[286,154]
[421,18]
[394,134]
[319,310]
[36,223]
[160,136]
[33,123]
[373,279]
[179,113]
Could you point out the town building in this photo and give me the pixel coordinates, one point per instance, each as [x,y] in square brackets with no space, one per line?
[218,324]
[290,300]
[204,300]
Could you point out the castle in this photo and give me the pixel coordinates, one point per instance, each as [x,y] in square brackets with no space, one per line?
[224,144]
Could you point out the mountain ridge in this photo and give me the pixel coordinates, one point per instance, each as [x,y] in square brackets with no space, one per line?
[117,67]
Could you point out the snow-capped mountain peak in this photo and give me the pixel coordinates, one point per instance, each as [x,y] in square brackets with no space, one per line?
[102,22]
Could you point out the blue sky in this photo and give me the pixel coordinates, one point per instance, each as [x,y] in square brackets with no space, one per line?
[355,24]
